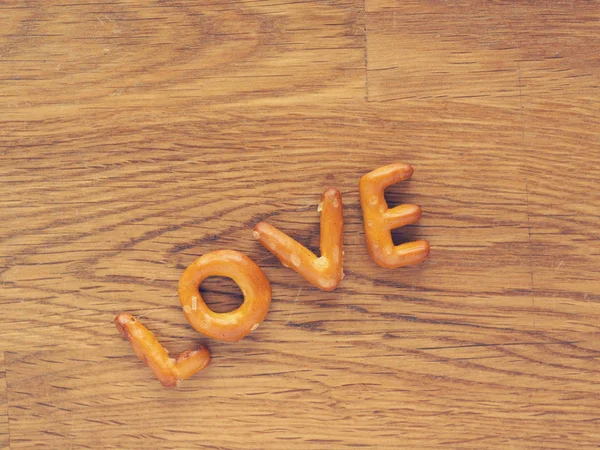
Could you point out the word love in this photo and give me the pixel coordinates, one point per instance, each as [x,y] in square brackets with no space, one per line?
[324,271]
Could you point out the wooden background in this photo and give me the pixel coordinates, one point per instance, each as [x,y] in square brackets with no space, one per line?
[137,135]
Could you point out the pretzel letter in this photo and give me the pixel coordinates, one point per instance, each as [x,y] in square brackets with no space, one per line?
[169,371]
[234,325]
[379,220]
[325,272]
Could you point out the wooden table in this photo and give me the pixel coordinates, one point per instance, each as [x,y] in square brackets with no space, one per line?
[136,136]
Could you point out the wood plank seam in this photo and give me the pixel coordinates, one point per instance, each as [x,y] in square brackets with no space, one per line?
[366,51]
[7,406]
[529,241]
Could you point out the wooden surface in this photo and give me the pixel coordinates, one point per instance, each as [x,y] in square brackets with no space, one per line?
[136,136]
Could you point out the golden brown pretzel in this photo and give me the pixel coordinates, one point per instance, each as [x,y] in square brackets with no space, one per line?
[325,271]
[169,371]
[379,220]
[234,325]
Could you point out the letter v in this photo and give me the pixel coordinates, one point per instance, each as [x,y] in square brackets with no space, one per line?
[324,272]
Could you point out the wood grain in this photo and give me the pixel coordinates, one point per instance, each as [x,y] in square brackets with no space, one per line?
[464,51]
[137,136]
